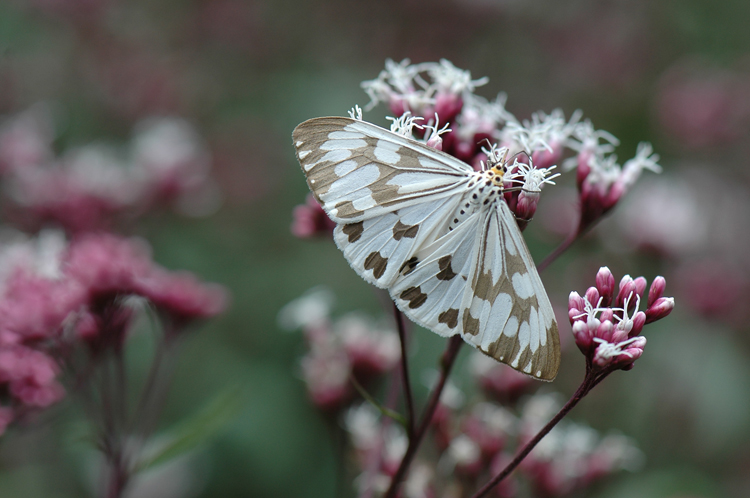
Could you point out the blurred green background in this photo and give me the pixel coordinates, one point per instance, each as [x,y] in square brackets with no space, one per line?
[676,73]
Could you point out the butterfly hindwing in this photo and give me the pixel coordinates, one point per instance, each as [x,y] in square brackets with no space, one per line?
[357,170]
[430,294]
[382,248]
[507,314]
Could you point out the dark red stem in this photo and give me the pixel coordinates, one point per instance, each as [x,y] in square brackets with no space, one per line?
[591,379]
[410,419]
[446,363]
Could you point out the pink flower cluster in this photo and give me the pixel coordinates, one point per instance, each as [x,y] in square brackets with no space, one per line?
[472,443]
[423,95]
[351,347]
[56,297]
[94,186]
[572,456]
[309,220]
[607,326]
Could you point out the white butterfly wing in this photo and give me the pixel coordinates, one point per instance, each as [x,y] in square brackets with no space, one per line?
[383,247]
[357,170]
[393,199]
[506,312]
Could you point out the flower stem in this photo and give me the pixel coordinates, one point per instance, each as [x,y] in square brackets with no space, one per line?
[589,381]
[551,257]
[565,244]
[410,419]
[446,363]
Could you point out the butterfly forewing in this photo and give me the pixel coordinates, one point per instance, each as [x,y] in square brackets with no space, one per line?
[357,170]
[393,199]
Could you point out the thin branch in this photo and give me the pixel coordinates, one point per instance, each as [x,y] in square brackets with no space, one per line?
[409,398]
[591,379]
[446,363]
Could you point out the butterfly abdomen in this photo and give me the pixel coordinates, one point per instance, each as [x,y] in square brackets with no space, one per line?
[483,188]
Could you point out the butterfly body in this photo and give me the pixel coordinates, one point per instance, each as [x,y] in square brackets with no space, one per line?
[436,234]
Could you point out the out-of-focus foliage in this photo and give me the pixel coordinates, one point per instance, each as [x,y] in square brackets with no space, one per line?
[244,73]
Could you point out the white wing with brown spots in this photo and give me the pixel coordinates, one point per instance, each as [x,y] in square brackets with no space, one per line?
[382,248]
[357,170]
[506,313]
[436,234]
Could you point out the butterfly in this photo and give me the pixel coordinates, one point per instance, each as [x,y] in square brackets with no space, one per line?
[436,234]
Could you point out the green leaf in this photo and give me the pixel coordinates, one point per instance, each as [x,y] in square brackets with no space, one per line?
[192,432]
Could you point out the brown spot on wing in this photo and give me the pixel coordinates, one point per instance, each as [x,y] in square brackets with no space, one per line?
[376,263]
[353,231]
[446,272]
[400,231]
[471,324]
[409,265]
[346,209]
[415,297]
[449,317]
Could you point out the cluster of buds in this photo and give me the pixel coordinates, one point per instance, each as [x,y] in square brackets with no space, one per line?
[479,441]
[421,96]
[341,352]
[607,326]
[600,180]
[58,297]
[92,186]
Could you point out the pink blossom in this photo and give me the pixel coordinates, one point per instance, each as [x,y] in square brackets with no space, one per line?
[310,220]
[610,336]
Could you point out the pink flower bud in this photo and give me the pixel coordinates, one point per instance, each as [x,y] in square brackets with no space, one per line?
[526,205]
[619,335]
[310,220]
[640,285]
[584,157]
[575,314]
[436,142]
[605,283]
[639,320]
[627,291]
[605,331]
[575,301]
[545,158]
[661,308]
[592,295]
[616,191]
[607,315]
[583,337]
[448,106]
[657,290]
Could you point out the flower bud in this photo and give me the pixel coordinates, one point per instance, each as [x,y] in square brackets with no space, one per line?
[605,330]
[657,290]
[640,285]
[592,295]
[627,289]
[583,336]
[661,308]
[605,283]
[639,320]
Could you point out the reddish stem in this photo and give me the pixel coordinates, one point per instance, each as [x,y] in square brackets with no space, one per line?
[410,419]
[591,379]
[446,363]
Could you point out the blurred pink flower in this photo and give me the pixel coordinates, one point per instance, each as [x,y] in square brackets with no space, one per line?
[97,185]
[703,106]
[310,220]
